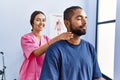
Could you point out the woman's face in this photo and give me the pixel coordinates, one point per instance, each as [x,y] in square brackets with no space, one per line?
[39,22]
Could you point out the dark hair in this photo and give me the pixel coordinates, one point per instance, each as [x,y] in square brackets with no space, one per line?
[68,13]
[33,16]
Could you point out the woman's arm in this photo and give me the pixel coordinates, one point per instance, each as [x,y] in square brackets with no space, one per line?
[64,36]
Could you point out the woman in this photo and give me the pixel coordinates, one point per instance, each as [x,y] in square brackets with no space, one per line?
[34,45]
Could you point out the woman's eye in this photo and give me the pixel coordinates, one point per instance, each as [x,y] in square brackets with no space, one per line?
[43,20]
[37,20]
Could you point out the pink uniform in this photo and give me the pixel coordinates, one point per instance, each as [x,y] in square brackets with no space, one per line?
[32,65]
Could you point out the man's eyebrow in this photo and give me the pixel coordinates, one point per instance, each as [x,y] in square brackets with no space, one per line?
[80,16]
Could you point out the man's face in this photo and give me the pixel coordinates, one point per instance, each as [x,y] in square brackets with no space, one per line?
[78,22]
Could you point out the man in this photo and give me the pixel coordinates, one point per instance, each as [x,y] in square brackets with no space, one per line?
[73,59]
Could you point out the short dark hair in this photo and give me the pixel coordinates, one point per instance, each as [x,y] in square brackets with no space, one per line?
[33,16]
[68,13]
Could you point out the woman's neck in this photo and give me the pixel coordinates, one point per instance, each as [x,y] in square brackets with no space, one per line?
[37,34]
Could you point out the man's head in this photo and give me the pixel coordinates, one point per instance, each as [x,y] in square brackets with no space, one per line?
[75,20]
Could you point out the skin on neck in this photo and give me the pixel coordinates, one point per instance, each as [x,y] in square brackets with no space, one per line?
[36,33]
[75,40]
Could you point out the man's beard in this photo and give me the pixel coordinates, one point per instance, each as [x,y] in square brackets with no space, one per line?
[78,32]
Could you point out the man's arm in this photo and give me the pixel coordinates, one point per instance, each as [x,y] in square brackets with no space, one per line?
[50,70]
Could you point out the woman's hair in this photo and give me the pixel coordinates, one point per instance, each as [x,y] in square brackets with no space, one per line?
[33,16]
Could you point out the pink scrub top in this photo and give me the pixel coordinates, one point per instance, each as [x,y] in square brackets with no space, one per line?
[32,65]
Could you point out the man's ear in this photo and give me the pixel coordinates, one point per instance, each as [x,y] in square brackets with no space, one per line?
[67,23]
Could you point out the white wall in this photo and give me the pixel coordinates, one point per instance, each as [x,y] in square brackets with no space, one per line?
[14,22]
[117,45]
[91,12]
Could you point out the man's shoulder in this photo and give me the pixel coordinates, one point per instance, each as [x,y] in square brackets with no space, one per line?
[57,44]
[87,43]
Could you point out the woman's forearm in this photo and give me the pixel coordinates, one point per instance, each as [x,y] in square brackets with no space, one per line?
[64,36]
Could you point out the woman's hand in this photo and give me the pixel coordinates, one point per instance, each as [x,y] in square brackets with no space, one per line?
[65,36]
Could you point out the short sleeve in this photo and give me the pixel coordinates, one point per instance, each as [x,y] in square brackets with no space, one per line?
[28,45]
[50,69]
[96,69]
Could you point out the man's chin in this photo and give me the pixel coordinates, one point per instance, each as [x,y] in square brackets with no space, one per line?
[83,33]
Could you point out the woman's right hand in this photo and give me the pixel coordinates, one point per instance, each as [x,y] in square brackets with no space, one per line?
[65,36]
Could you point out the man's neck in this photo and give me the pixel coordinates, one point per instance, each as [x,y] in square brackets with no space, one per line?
[75,40]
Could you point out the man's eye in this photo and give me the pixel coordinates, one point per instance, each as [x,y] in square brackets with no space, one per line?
[79,19]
